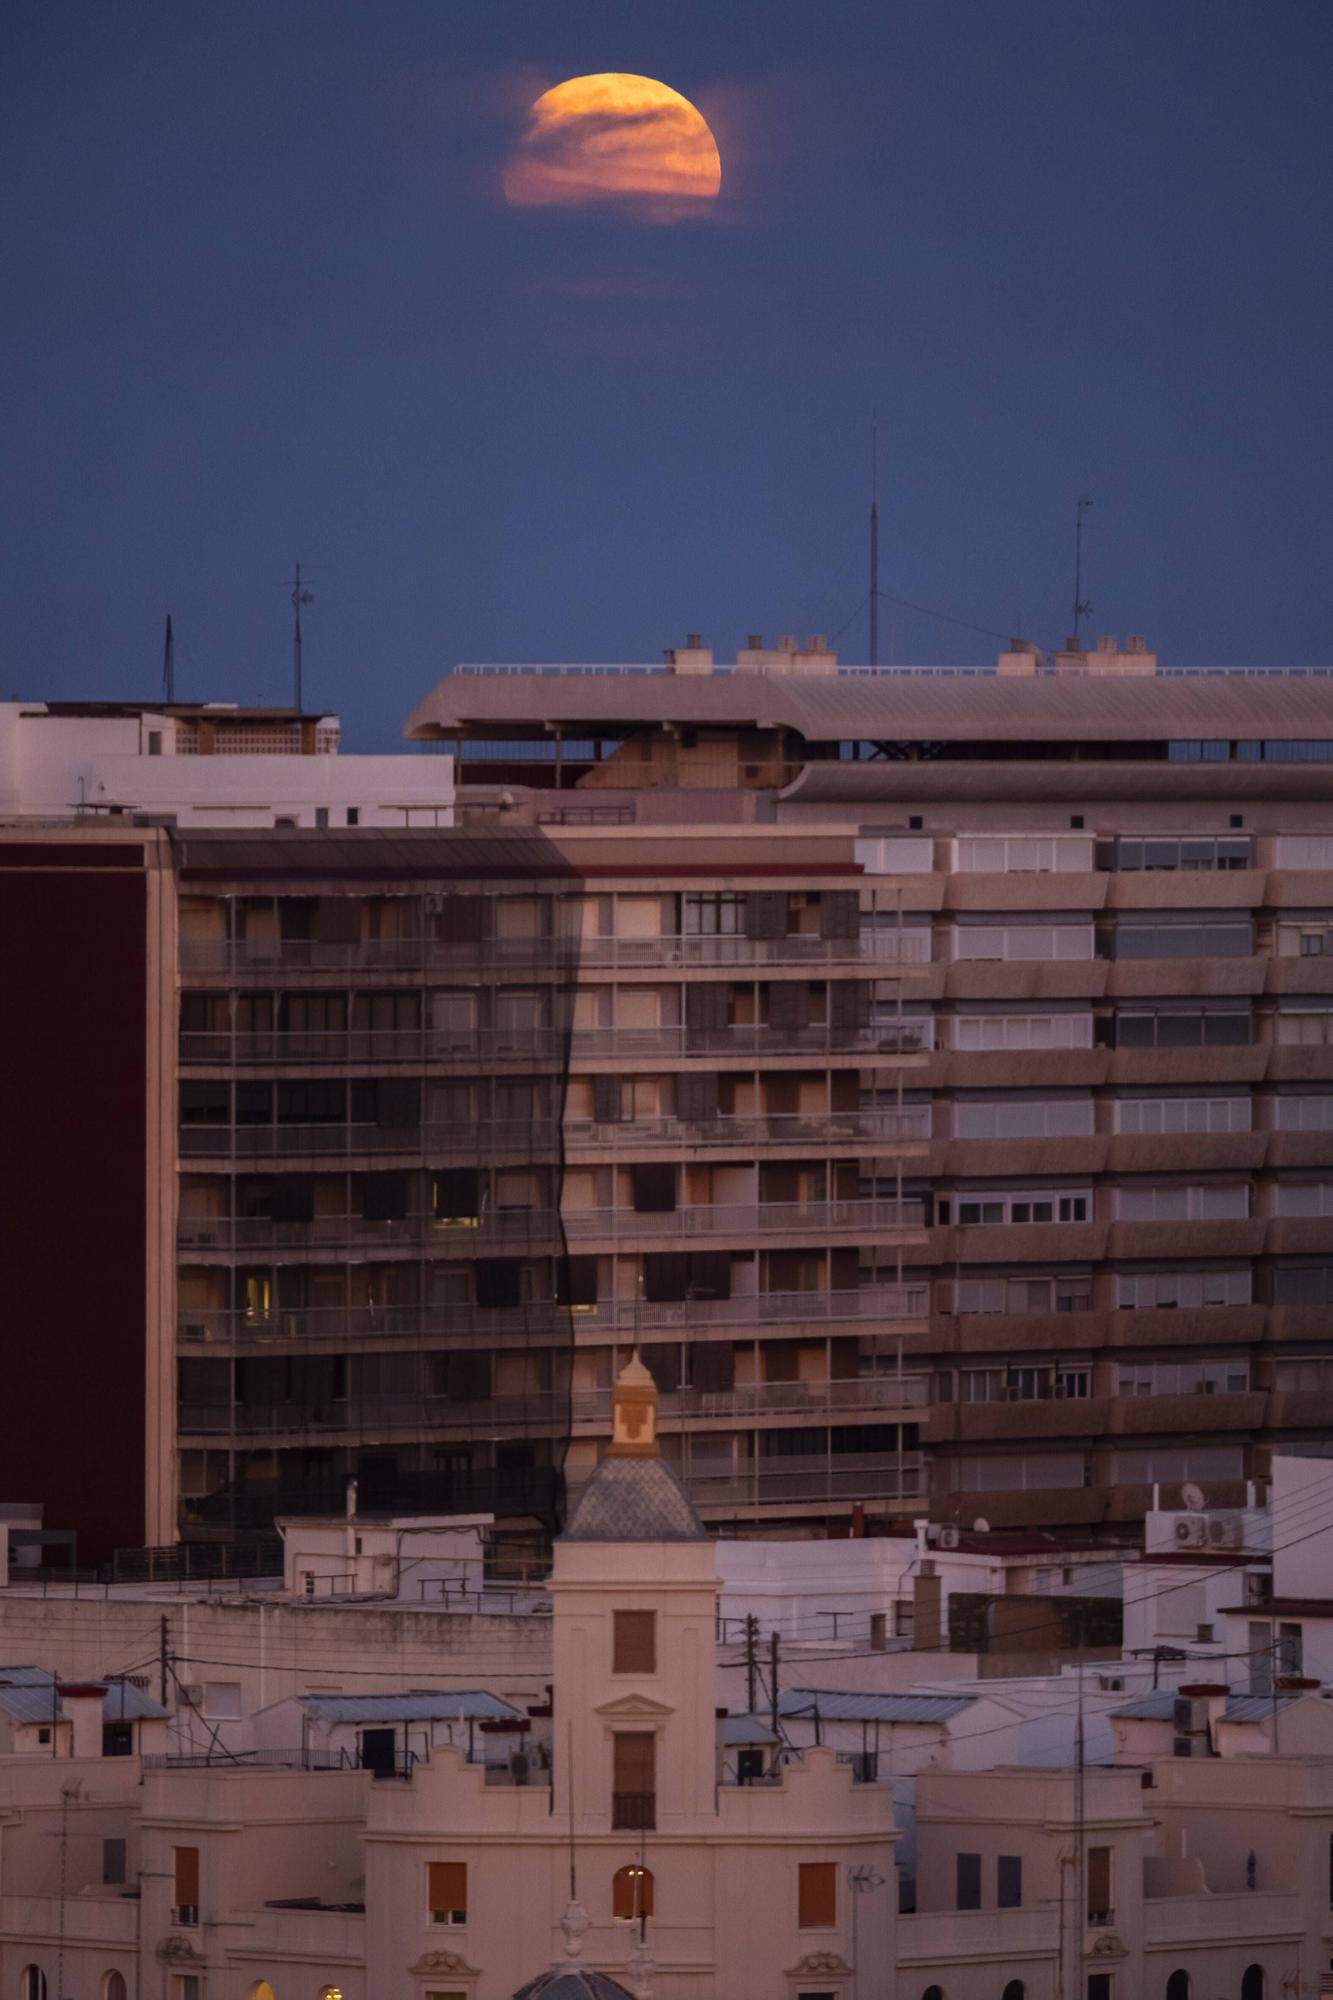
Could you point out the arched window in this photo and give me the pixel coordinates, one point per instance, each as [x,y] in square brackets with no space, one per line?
[32,1986]
[114,1987]
[632,1893]
[330,1993]
[933,1993]
[261,1990]
[1178,1986]
[1015,1990]
[1252,1983]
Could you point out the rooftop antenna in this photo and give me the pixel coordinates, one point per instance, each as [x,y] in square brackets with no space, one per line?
[1081,610]
[299,598]
[874,539]
[169,665]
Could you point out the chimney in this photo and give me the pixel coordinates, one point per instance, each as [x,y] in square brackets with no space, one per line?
[691,658]
[755,642]
[82,1704]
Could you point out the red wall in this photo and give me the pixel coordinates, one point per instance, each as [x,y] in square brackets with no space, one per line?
[73,1199]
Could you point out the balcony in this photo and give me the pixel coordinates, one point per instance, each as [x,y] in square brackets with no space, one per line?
[547,1044]
[633,1812]
[200,957]
[555,1413]
[837,1481]
[465,1324]
[540,1138]
[520,1228]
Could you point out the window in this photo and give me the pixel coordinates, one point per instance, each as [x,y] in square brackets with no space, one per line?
[1019,1472]
[1306,1027]
[933,1993]
[354,815]
[1022,942]
[1099,1986]
[222,1701]
[817,1895]
[1213,939]
[1252,1983]
[1022,1031]
[1009,1882]
[1161,1291]
[261,1991]
[1019,1206]
[1182,1027]
[1303,1285]
[1170,1464]
[634,1642]
[1065,1117]
[321,815]
[188,1985]
[1303,851]
[113,1861]
[1032,1382]
[1303,1198]
[117,1739]
[1178,1986]
[1304,1114]
[1015,1990]
[1022,854]
[634,1781]
[114,1987]
[446,1891]
[1153,1115]
[187,1885]
[1023,1295]
[1100,1905]
[1198,855]
[1180,1201]
[32,1985]
[1195,1375]
[967,1881]
[632,1893]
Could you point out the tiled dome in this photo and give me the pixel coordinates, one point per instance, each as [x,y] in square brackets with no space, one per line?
[574,1983]
[634,1500]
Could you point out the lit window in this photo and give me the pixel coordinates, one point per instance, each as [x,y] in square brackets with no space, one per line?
[632,1894]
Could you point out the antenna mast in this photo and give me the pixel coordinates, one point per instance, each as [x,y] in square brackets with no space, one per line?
[169,665]
[1081,610]
[299,597]
[874,540]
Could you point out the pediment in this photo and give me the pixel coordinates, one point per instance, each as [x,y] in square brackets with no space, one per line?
[432,1962]
[634,1708]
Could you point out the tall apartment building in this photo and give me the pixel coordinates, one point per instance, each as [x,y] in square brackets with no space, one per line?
[927,1075]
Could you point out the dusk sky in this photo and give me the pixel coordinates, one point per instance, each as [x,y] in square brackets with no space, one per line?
[264,300]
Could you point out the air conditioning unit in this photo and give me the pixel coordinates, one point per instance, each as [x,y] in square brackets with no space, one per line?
[948,1538]
[1191,1532]
[192,1694]
[1258,1588]
[1224,1532]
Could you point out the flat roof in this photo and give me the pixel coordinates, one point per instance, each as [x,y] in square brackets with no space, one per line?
[418,1705]
[838,1705]
[281,853]
[830,708]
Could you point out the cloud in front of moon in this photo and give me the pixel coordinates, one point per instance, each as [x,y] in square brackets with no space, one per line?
[619,140]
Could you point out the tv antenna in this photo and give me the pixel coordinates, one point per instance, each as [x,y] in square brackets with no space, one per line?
[169,665]
[874,539]
[1081,609]
[300,598]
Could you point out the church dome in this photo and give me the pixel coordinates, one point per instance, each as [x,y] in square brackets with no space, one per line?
[569,1982]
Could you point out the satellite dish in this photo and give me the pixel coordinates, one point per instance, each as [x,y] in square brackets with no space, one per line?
[1192,1497]
[981,1526]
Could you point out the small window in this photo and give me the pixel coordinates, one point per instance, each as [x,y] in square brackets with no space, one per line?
[632,1893]
[1252,1983]
[43,1735]
[113,1862]
[321,815]
[186,1908]
[32,1985]
[155,742]
[817,1895]
[117,1739]
[1015,1990]
[447,1891]
[1009,1882]
[933,1993]
[967,1874]
[114,1987]
[1099,1986]
[1100,1907]
[1178,1986]
[222,1701]
[634,1642]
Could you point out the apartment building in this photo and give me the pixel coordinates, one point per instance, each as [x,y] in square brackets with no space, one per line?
[928,1075]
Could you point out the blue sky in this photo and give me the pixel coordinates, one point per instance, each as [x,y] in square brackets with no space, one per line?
[263,301]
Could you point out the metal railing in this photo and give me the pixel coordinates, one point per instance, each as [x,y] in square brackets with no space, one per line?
[748,1401]
[633,1812]
[537,1225]
[545,1043]
[279,956]
[448,1325]
[537,1139]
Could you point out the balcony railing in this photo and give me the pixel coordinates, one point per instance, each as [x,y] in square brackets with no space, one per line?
[538,1139]
[494,955]
[465,1323]
[840,1480]
[546,1044]
[881,1394]
[541,1227]
[633,1812]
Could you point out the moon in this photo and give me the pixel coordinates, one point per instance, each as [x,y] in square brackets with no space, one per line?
[615,139]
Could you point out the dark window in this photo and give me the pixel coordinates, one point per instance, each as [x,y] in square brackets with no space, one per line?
[379,1751]
[117,1739]
[1252,1983]
[1099,1986]
[499,1282]
[1009,1882]
[817,1895]
[654,1184]
[968,1881]
[634,1781]
[634,1642]
[1015,1990]
[113,1862]
[1178,1986]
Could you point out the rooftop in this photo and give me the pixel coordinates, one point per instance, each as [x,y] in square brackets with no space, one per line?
[634,1500]
[835,1705]
[30,1694]
[417,1705]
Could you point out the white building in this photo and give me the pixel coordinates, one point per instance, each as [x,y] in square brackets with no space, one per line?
[207,764]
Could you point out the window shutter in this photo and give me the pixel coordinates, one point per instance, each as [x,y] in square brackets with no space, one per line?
[576,1281]
[447,1890]
[665,1276]
[697,1096]
[654,1183]
[187,1877]
[457,1192]
[849,1003]
[498,1281]
[766,913]
[606,1100]
[818,1895]
[840,913]
[293,1198]
[635,1761]
[338,919]
[459,920]
[384,1197]
[709,1274]
[634,1642]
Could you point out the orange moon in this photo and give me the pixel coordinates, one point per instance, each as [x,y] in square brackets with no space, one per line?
[614,139]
